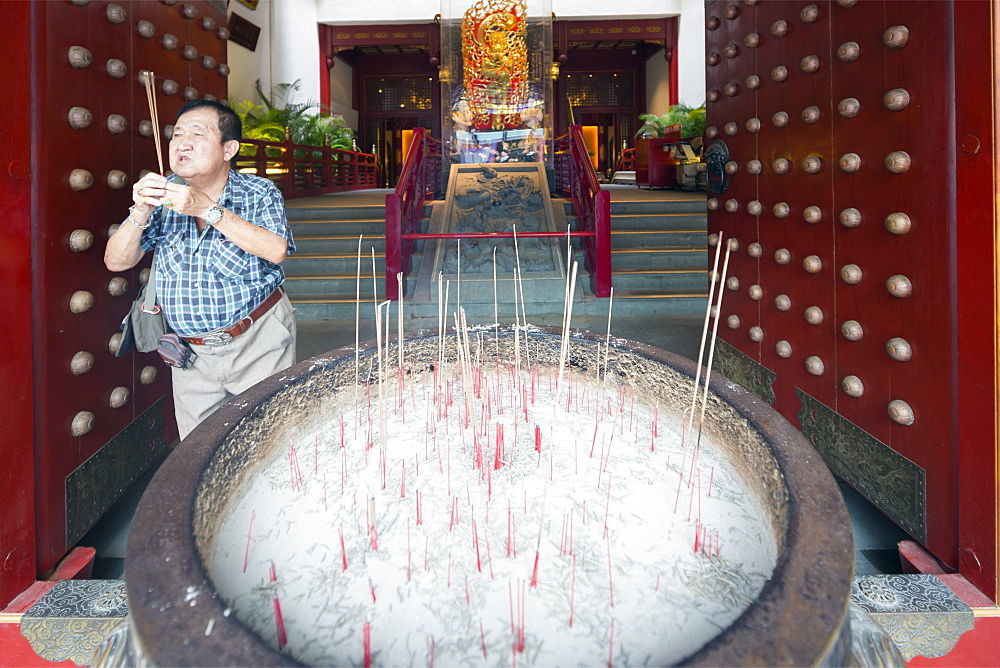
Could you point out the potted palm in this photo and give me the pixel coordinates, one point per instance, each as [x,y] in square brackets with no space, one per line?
[655,166]
[276,116]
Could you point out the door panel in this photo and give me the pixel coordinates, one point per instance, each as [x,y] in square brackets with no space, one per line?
[872,207]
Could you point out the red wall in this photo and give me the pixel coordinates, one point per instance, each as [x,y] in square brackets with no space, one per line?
[17,521]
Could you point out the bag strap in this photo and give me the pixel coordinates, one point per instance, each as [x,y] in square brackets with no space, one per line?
[151,289]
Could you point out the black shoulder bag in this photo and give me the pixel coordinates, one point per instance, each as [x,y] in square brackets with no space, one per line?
[145,323]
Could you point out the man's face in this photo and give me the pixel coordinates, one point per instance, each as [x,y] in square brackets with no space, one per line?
[196,148]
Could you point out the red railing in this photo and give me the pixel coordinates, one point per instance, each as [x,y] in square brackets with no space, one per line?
[577,180]
[303,171]
[419,181]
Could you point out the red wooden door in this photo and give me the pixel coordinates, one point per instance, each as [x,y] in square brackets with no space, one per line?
[99,421]
[855,172]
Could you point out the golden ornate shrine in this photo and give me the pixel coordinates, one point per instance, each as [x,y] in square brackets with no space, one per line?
[495,60]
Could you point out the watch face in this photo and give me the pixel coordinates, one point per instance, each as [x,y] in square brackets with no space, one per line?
[214,215]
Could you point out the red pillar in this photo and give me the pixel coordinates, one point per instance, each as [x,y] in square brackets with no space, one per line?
[670,53]
[326,64]
[17,472]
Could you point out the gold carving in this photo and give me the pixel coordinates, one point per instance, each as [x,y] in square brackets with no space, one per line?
[380,35]
[495,58]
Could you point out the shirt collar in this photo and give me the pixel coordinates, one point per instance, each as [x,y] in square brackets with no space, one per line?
[226,199]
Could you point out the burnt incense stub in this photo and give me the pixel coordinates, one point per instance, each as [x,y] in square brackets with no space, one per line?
[200,485]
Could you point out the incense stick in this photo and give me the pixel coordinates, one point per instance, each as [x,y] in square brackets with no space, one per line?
[154,117]
[708,316]
[711,353]
[357,325]
[399,280]
[440,317]
[607,339]
[688,416]
[496,312]
[520,289]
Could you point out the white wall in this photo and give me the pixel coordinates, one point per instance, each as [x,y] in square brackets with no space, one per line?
[691,50]
[245,65]
[295,43]
[657,85]
[365,13]
[341,92]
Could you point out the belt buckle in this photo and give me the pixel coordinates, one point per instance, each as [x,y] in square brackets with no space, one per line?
[217,339]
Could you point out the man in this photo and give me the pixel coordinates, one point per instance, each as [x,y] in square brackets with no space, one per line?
[220,237]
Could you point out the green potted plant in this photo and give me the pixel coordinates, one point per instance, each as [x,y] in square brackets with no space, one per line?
[655,166]
[276,115]
[690,120]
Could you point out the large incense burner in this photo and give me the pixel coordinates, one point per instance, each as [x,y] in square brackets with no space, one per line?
[491,509]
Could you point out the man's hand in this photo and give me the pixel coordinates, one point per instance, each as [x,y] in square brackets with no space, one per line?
[147,193]
[154,190]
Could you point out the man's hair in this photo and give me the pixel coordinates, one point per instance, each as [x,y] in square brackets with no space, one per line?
[230,126]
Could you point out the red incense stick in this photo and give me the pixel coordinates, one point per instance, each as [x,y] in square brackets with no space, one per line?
[279,621]
[367,635]
[343,549]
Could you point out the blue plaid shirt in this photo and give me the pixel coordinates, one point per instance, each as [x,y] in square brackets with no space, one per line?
[204,281]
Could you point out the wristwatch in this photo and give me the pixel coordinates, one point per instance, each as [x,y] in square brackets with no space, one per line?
[214,215]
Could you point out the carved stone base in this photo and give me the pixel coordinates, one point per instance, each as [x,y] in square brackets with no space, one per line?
[73,618]
[921,615]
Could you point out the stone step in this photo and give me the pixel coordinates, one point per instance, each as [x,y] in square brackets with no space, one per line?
[659,278]
[345,244]
[343,283]
[342,306]
[659,206]
[657,256]
[650,207]
[296,214]
[337,226]
[658,221]
[340,212]
[303,264]
[658,238]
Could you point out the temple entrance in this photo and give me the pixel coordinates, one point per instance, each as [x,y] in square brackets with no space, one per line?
[387,138]
[614,131]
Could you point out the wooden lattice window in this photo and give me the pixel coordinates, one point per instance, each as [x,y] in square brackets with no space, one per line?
[398,93]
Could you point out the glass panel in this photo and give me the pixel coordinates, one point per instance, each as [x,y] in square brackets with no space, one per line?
[496,80]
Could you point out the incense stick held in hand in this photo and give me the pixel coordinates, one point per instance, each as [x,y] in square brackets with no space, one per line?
[150,83]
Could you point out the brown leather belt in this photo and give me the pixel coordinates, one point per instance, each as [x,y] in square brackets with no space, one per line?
[222,337]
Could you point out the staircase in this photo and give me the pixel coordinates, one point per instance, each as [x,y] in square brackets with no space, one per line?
[321,277]
[658,254]
[658,257]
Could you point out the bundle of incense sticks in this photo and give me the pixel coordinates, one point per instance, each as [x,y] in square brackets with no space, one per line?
[154,116]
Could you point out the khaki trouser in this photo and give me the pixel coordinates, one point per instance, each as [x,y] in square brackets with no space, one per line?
[220,373]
